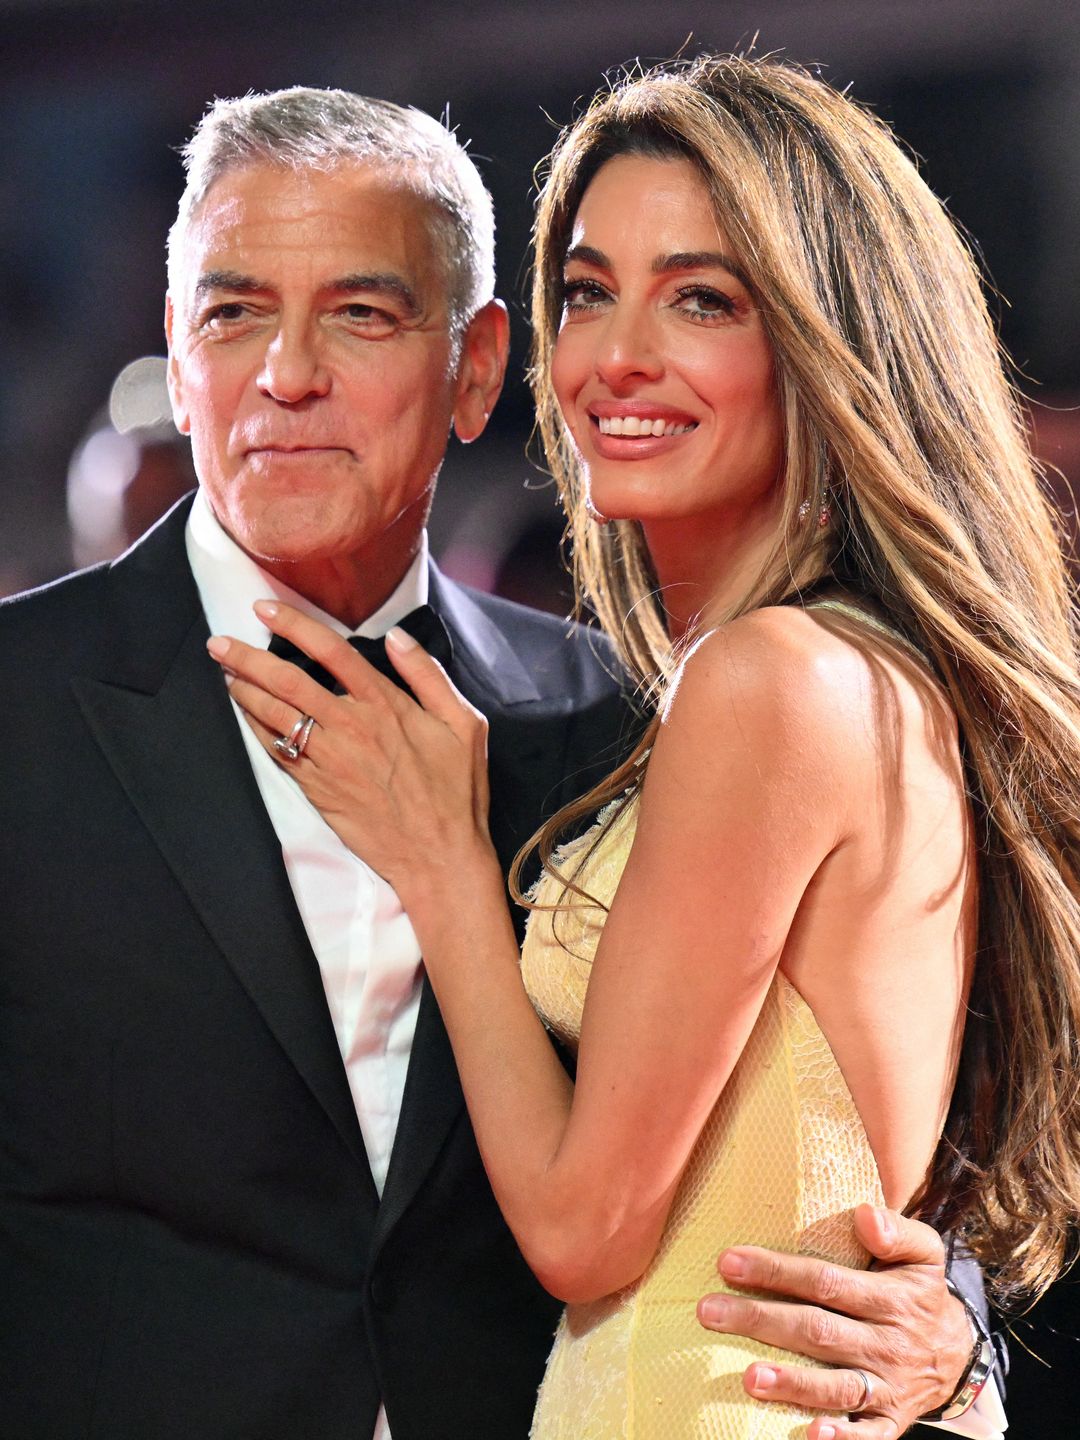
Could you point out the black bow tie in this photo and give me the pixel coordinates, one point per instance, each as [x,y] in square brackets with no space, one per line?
[422,624]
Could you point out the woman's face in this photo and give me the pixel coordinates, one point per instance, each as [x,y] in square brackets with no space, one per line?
[662,367]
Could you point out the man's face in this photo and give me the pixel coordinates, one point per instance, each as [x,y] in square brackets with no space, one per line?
[311,360]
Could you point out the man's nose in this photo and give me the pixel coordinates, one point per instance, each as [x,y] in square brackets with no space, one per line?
[628,347]
[293,367]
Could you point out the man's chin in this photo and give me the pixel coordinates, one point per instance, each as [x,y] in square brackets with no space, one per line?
[290,550]
[290,540]
[290,529]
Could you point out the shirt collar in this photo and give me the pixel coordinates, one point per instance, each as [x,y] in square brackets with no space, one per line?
[229,582]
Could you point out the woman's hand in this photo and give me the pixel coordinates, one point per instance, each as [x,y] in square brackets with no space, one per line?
[404,785]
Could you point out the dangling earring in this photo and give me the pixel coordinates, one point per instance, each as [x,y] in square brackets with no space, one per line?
[824,514]
[594,514]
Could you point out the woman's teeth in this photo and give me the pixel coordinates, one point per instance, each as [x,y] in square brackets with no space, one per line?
[639,425]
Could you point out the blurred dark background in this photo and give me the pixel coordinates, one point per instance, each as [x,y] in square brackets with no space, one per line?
[97,96]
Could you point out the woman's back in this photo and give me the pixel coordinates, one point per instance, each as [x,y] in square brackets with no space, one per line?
[882,947]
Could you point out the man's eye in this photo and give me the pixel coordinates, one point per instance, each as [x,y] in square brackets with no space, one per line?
[228,311]
[369,320]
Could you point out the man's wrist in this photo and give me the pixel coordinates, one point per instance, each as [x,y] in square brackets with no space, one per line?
[978,1370]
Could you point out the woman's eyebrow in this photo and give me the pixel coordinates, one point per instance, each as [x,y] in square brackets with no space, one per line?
[666,264]
[588,255]
[699,260]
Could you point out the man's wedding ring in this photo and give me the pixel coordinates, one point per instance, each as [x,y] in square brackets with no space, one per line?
[867,1391]
[293,745]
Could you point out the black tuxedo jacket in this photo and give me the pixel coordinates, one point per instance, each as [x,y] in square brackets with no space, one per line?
[191,1244]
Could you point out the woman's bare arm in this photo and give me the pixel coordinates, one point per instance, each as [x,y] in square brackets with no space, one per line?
[729,835]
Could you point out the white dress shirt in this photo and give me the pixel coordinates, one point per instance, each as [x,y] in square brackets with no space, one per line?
[362,938]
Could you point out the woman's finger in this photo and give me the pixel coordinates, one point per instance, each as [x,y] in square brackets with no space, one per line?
[442,700]
[431,685]
[269,739]
[356,677]
[270,718]
[278,679]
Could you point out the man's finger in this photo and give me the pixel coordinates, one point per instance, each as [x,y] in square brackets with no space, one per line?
[837,1287]
[867,1427]
[897,1239]
[838,1391]
[805,1329]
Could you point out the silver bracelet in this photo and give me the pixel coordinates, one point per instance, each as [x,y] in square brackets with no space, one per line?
[979,1368]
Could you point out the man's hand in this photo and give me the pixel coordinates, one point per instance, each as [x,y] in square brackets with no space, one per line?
[897,1323]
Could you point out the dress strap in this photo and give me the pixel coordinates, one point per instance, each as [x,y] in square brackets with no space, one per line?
[865,617]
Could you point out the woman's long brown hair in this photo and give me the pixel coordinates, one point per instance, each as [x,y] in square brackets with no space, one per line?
[899,415]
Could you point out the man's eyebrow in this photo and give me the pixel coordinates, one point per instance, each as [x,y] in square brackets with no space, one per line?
[380,284]
[211,280]
[238,283]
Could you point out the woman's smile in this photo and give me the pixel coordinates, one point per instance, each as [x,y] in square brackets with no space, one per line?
[635,431]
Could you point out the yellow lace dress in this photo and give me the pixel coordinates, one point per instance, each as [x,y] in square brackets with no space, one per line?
[781,1162]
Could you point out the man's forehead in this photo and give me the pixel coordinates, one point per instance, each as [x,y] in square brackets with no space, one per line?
[373,213]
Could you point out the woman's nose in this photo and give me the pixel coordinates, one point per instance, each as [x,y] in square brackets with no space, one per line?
[628,347]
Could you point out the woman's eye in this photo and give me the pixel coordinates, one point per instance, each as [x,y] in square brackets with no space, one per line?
[702,302]
[583,295]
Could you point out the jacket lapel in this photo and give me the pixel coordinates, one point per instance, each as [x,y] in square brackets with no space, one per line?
[524,752]
[161,715]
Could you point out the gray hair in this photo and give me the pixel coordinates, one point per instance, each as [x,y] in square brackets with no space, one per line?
[313,129]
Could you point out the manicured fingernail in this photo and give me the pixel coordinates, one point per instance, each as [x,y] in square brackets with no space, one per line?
[265,609]
[732,1266]
[713,1310]
[399,639]
[827,1432]
[218,647]
[765,1378]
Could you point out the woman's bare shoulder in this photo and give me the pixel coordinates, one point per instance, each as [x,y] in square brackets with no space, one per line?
[783,686]
[776,664]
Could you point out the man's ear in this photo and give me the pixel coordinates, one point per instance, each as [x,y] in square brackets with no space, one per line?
[484,352]
[181,418]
